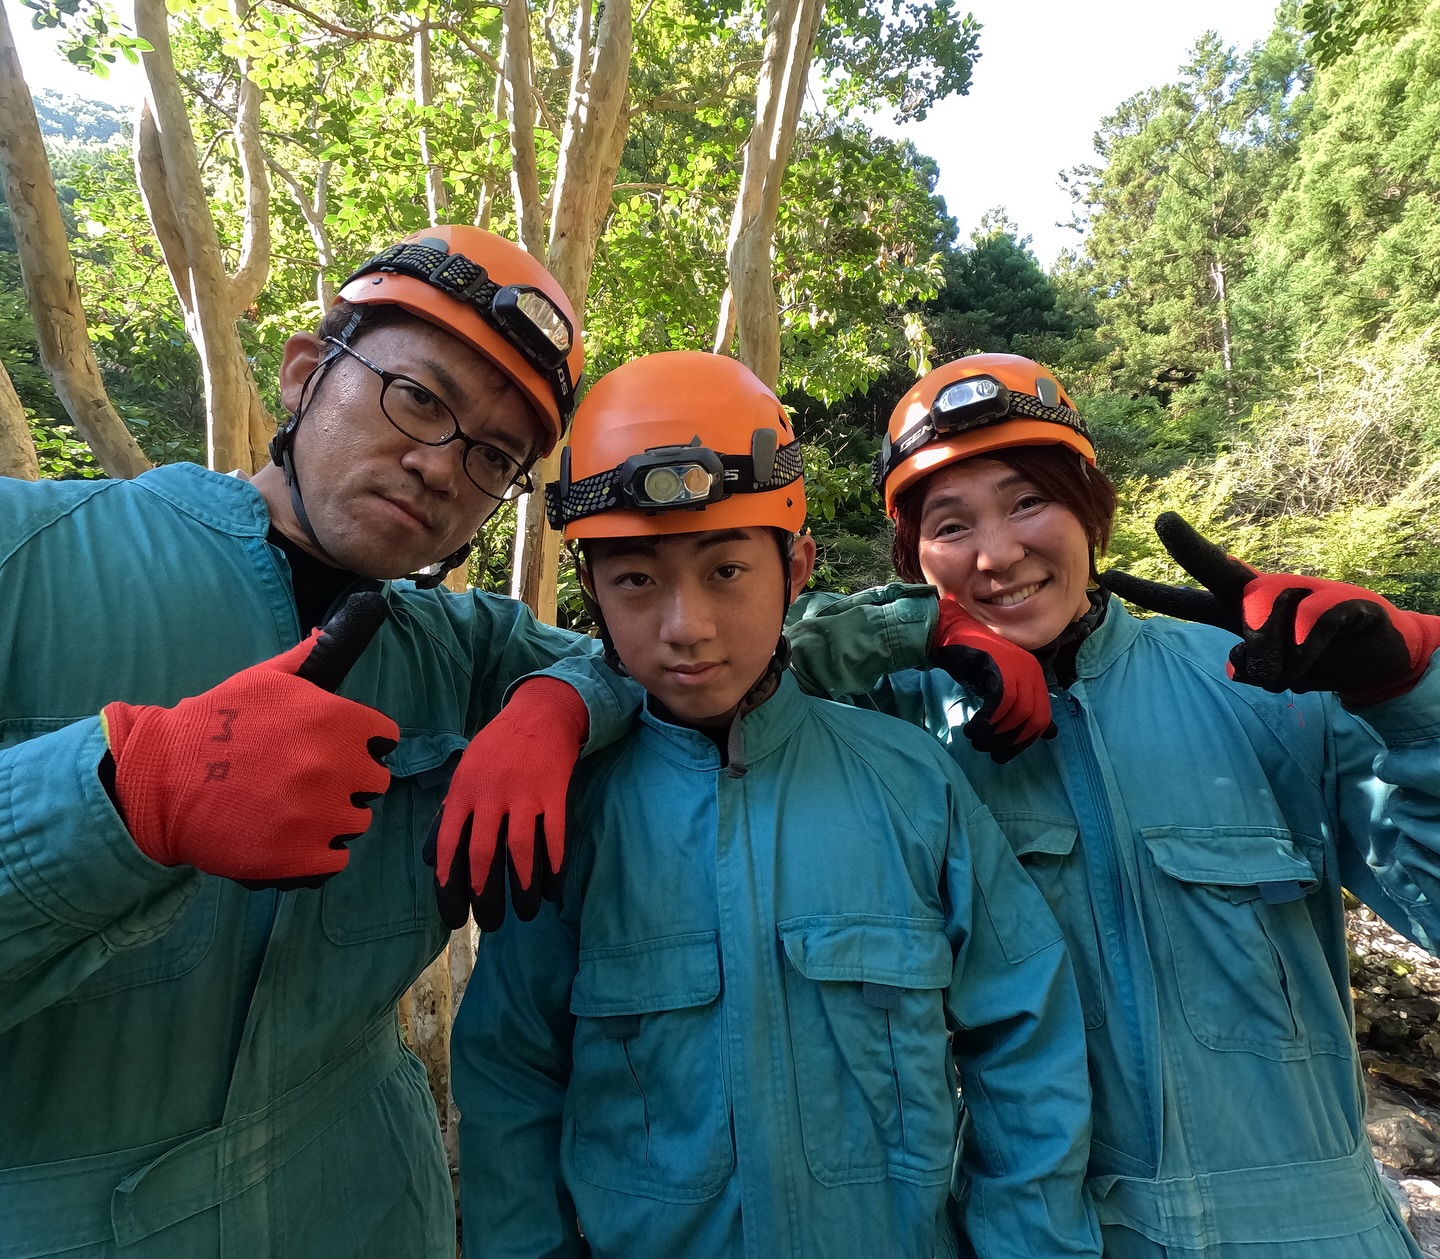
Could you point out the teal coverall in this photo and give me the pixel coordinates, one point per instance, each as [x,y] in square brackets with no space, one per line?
[1192,835]
[187,1068]
[733,1036]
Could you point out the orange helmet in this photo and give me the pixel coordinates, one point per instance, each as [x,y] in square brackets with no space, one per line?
[677,442]
[976,404]
[492,295]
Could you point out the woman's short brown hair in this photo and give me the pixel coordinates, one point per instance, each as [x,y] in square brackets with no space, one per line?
[1056,471]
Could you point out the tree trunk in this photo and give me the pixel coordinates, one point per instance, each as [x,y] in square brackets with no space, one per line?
[749,305]
[437,200]
[48,273]
[1217,278]
[237,425]
[524,166]
[485,202]
[596,124]
[17,447]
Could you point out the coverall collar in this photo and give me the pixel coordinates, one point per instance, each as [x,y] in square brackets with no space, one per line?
[765,728]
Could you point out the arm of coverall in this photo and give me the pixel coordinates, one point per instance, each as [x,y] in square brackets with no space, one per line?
[1019,1043]
[510,1067]
[74,888]
[842,645]
[1386,773]
[510,645]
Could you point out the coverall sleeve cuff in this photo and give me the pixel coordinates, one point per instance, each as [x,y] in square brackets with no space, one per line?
[613,701]
[66,849]
[1410,718]
[843,646]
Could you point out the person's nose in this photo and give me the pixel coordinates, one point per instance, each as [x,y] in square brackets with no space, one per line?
[441,468]
[686,621]
[998,549]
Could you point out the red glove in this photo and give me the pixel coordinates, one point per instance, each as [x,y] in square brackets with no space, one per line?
[1008,680]
[265,778]
[1297,633]
[506,808]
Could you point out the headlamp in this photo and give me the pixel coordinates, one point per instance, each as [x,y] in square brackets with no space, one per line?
[673,478]
[530,319]
[969,403]
[669,477]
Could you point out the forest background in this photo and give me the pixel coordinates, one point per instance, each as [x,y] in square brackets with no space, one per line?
[1247,319]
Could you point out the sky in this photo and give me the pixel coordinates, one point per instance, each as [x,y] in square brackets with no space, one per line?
[1049,71]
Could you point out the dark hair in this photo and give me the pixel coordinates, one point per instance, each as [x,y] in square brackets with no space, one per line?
[1056,471]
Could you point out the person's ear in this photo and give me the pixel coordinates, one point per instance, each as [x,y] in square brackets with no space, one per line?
[802,564]
[301,356]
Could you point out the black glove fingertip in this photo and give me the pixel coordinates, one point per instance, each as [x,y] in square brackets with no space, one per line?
[549,881]
[1007,753]
[430,853]
[489,903]
[452,898]
[285,885]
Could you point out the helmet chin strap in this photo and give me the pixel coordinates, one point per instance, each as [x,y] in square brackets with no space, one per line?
[282,455]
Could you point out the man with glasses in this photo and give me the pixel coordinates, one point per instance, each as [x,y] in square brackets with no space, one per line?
[212,887]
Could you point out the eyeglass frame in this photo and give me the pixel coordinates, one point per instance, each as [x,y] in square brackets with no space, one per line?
[520,482]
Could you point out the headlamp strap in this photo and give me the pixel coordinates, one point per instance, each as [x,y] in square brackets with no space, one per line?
[567,500]
[455,274]
[1022,406]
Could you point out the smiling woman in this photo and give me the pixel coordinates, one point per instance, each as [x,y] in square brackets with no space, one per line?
[1190,821]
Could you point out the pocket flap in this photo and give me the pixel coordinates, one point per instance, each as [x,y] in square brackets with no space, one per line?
[422,751]
[868,948]
[1229,856]
[1039,832]
[672,973]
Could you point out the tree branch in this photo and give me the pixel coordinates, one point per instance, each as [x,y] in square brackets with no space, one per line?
[253,269]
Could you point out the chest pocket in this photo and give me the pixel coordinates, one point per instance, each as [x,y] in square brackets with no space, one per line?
[385,889]
[1251,971]
[873,1066]
[179,950]
[1047,847]
[647,1093]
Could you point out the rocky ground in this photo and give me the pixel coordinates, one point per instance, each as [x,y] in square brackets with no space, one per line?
[1397,1021]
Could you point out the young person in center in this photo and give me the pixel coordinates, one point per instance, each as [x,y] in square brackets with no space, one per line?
[789,928]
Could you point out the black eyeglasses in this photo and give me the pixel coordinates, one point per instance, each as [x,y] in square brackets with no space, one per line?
[425,418]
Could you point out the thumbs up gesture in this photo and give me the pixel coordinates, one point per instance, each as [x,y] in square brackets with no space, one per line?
[266,777]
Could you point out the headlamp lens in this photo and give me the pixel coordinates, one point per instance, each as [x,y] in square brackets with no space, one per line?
[672,484]
[964,393]
[546,319]
[662,485]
